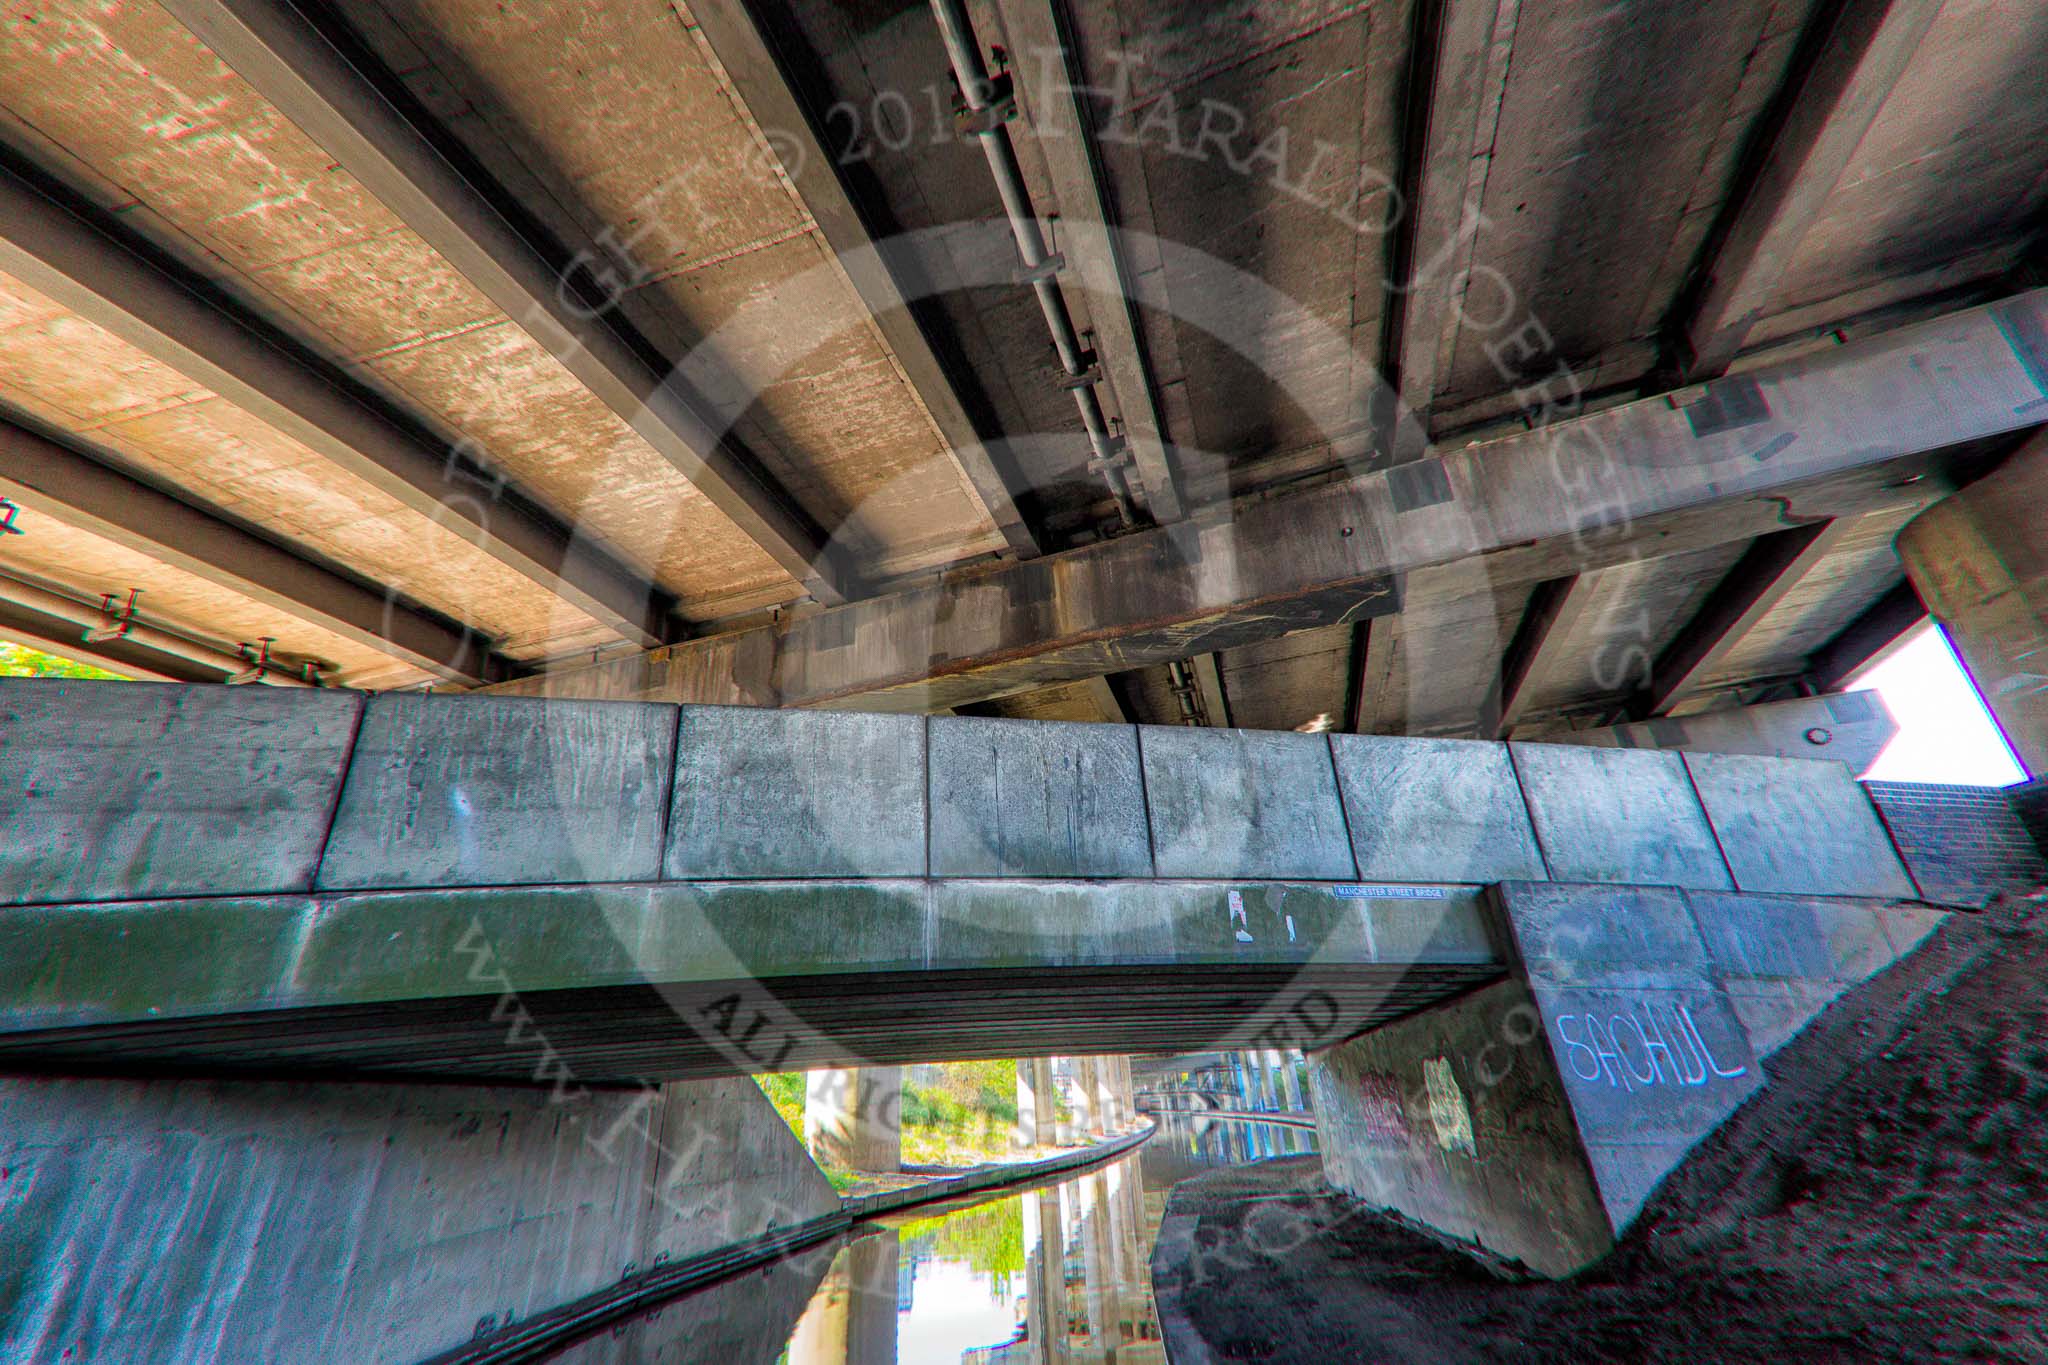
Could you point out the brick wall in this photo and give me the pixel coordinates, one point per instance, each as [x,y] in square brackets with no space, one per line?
[2031,801]
[1963,845]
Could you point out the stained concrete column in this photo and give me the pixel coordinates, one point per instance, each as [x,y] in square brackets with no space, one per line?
[1979,560]
[1064,1130]
[1109,1105]
[1088,1081]
[852,1118]
[1035,1103]
[1290,1081]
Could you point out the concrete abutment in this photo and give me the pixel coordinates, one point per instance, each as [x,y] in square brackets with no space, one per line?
[1536,1115]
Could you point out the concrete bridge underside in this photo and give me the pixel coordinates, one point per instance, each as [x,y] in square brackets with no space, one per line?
[215,880]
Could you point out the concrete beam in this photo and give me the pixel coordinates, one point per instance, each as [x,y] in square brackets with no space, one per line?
[1841,77]
[92,496]
[676,980]
[1542,641]
[1769,570]
[1851,728]
[44,624]
[1103,693]
[323,80]
[1209,682]
[1656,476]
[1867,639]
[778,92]
[90,265]
[143,650]
[1050,79]
[1457,80]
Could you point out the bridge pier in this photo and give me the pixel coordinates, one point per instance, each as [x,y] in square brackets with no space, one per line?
[1037,1110]
[1979,560]
[853,1118]
[1536,1115]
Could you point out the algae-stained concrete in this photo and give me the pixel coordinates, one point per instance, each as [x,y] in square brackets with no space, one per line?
[683,979]
[360,1222]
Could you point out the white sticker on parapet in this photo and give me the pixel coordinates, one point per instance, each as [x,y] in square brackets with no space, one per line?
[1237,918]
[1448,1113]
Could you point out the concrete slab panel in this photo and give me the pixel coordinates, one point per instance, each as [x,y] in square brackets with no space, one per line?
[65,965]
[497,791]
[119,791]
[1441,810]
[1798,827]
[1026,798]
[362,1222]
[1907,927]
[1243,803]
[1788,938]
[1577,934]
[1619,815]
[980,924]
[782,793]
[1774,1014]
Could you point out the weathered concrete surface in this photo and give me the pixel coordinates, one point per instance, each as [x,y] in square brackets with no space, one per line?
[1782,959]
[453,791]
[1244,803]
[853,1118]
[1850,728]
[203,1221]
[1608,815]
[1538,1114]
[1980,562]
[110,792]
[1027,798]
[1456,1117]
[796,794]
[1797,827]
[1654,475]
[1444,804]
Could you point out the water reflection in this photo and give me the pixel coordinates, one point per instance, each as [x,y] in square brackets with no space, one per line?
[1055,1276]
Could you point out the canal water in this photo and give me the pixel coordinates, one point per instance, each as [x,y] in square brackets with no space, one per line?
[1057,1275]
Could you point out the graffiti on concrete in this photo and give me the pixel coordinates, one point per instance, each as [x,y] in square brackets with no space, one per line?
[1638,1048]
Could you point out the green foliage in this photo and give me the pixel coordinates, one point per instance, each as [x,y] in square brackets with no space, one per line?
[19,661]
[785,1090]
[964,1116]
[988,1240]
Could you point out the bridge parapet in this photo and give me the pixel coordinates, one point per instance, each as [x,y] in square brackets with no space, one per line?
[234,878]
